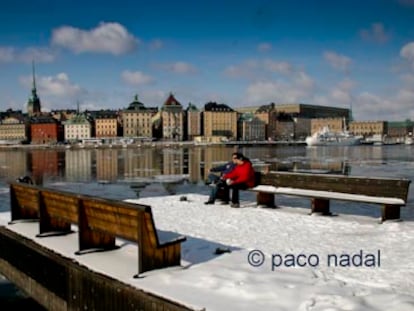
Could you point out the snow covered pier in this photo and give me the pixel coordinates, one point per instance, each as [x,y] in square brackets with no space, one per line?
[49,227]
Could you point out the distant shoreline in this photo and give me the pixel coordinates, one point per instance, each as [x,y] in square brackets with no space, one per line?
[149,144]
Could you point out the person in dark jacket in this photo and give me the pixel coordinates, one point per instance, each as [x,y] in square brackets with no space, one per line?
[217,182]
[213,177]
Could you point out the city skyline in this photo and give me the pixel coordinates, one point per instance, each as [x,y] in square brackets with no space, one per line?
[348,54]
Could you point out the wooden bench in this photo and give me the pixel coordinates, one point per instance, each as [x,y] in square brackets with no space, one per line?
[24,202]
[390,193]
[100,221]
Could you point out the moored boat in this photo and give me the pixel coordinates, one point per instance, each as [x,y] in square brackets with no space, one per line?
[325,137]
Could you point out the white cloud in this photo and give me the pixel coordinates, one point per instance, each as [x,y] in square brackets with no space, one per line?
[110,38]
[245,69]
[407,52]
[376,33]
[304,82]
[372,107]
[38,55]
[278,67]
[257,68]
[156,44]
[299,89]
[55,92]
[179,67]
[27,55]
[7,54]
[264,47]
[59,85]
[136,77]
[337,61]
[234,71]
[408,80]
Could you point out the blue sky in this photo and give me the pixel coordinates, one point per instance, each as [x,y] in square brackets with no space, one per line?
[240,53]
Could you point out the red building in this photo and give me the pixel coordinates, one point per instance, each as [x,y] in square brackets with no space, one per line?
[45,130]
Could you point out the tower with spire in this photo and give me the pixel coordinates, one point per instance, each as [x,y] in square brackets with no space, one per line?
[33,104]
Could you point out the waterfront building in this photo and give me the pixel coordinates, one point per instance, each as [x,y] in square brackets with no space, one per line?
[251,128]
[77,128]
[299,126]
[263,113]
[192,122]
[63,114]
[313,111]
[335,125]
[14,129]
[281,126]
[220,121]
[106,124]
[137,120]
[400,129]
[45,129]
[303,117]
[172,117]
[369,128]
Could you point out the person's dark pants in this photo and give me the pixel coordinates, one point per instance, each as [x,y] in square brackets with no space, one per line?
[222,191]
[235,192]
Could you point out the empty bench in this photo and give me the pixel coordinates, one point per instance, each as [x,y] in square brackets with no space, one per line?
[390,193]
[100,221]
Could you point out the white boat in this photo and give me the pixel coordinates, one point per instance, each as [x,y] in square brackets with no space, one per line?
[409,140]
[325,137]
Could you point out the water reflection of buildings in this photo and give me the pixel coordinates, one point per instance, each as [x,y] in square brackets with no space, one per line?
[139,163]
[78,165]
[173,161]
[106,165]
[141,166]
[13,164]
[44,162]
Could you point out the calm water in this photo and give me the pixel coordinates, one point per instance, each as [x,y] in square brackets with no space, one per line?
[141,172]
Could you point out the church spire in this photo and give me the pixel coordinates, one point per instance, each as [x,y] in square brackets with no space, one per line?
[33,105]
[34,77]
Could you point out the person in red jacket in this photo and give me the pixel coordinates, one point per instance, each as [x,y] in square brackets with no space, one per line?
[241,177]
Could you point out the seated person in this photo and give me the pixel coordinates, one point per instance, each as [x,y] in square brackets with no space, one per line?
[241,177]
[215,181]
[213,178]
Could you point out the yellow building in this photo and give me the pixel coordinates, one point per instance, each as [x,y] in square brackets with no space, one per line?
[368,128]
[106,125]
[335,125]
[13,129]
[137,119]
[220,120]
[193,122]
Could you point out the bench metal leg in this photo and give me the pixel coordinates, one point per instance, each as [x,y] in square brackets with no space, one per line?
[389,212]
[264,198]
[320,206]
